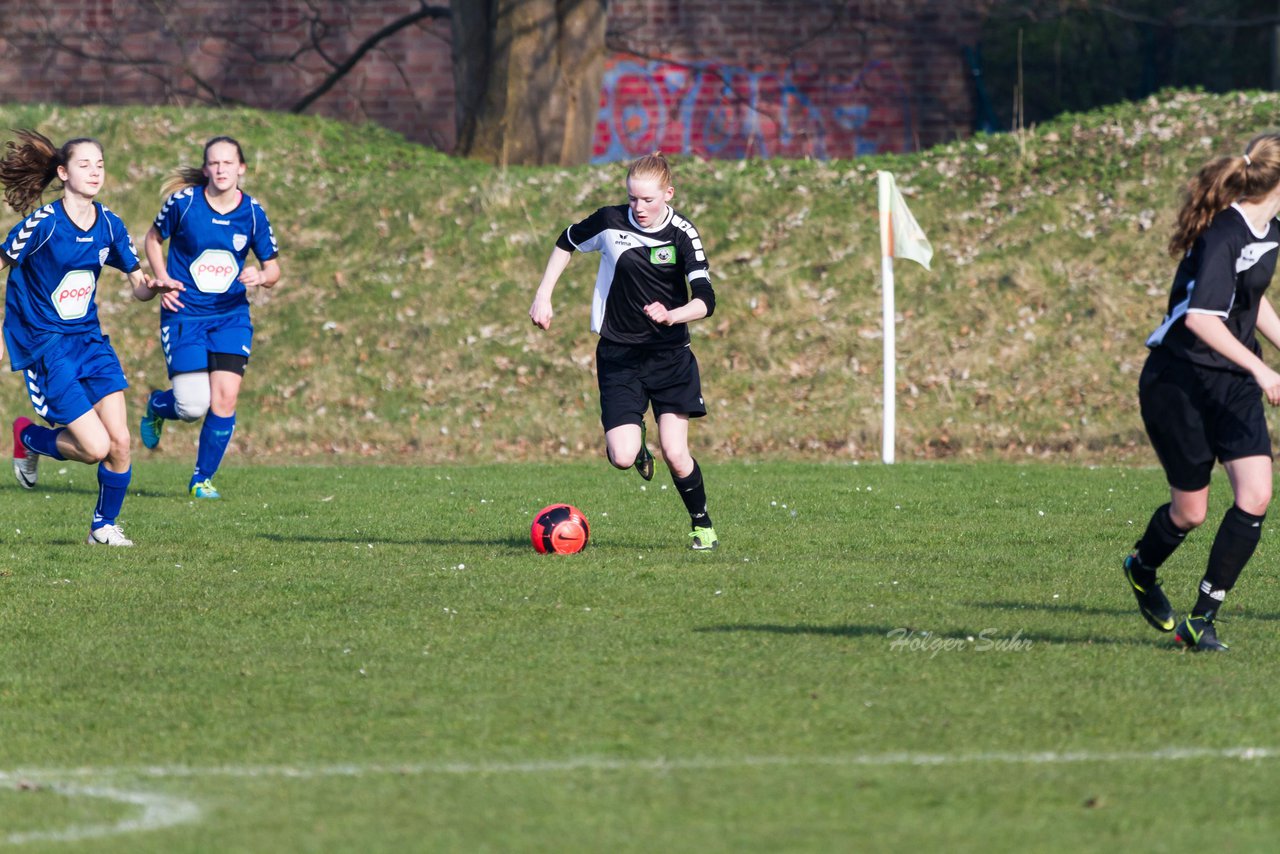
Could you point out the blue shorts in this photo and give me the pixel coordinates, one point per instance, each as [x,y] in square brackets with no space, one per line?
[71,376]
[188,342]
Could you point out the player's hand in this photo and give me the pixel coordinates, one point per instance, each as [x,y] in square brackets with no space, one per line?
[540,312]
[657,312]
[168,290]
[253,277]
[1269,380]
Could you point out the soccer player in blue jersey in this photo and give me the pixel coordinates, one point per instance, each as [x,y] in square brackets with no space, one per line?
[1202,387]
[205,331]
[51,328]
[652,283]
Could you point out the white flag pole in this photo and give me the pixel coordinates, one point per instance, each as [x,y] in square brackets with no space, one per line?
[886,276]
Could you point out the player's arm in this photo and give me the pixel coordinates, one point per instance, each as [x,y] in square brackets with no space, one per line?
[1268,322]
[146,287]
[540,312]
[153,248]
[1213,331]
[263,277]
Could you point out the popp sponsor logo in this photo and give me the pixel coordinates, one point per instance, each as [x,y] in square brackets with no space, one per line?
[214,270]
[73,295]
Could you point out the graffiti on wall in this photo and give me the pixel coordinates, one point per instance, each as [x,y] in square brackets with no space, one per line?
[731,112]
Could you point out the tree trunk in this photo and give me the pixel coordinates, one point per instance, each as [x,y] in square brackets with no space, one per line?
[528,76]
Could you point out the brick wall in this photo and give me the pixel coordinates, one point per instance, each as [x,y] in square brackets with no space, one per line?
[720,78]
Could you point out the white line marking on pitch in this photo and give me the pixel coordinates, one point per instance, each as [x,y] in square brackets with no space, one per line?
[161,811]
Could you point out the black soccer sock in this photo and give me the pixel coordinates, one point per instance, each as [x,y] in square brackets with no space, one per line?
[1160,540]
[694,496]
[1237,538]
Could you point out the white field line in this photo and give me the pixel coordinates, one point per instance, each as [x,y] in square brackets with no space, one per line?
[160,811]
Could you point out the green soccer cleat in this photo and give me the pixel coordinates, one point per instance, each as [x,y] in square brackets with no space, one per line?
[1198,633]
[703,539]
[151,425]
[1152,603]
[644,459]
[204,489]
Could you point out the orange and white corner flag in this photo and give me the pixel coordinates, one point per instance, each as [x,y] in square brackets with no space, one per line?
[900,235]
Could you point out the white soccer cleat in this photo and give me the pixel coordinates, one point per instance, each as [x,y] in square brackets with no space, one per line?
[109,535]
[24,462]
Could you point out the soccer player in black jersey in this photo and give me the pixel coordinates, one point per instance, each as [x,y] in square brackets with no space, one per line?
[1202,386]
[652,283]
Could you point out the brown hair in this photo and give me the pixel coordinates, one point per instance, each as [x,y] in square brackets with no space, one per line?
[191,176]
[30,164]
[653,166]
[1222,181]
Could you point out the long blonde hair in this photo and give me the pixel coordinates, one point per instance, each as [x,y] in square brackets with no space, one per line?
[1220,182]
[191,176]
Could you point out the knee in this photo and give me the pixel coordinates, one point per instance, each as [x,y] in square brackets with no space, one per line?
[191,407]
[97,448]
[1187,518]
[621,459]
[681,464]
[191,395]
[1255,502]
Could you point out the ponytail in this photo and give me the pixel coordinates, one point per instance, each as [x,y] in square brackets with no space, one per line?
[1222,182]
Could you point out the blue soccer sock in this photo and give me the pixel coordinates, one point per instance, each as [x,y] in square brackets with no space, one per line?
[42,440]
[215,435]
[164,404]
[112,487]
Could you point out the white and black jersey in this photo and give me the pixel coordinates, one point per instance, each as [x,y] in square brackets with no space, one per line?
[1225,273]
[639,266]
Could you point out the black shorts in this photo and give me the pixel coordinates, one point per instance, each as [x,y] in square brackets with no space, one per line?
[1196,415]
[632,377]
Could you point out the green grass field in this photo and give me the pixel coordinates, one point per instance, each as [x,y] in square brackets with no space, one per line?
[921,656]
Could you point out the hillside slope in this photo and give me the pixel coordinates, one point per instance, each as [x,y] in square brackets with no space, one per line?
[400,327]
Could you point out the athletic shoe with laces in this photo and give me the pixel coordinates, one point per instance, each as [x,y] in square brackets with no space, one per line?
[644,459]
[109,535]
[1198,633]
[703,539]
[1152,602]
[151,425]
[24,462]
[204,489]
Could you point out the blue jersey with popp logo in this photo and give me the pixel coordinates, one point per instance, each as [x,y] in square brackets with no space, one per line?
[53,277]
[207,251]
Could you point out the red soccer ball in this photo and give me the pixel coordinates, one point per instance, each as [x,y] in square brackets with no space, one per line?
[559,529]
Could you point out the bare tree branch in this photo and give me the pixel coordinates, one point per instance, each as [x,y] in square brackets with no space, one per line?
[424,12]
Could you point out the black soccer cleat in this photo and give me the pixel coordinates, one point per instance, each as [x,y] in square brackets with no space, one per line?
[644,459]
[1198,633]
[1152,603]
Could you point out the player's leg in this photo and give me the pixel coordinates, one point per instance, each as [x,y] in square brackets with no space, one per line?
[1233,545]
[622,404]
[114,471]
[53,384]
[1172,413]
[187,399]
[674,383]
[219,424]
[1241,440]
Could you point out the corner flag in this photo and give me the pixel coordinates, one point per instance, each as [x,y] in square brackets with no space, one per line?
[900,237]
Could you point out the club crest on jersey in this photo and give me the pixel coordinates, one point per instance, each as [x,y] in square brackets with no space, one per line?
[239,241]
[102,255]
[72,296]
[662,255]
[214,270]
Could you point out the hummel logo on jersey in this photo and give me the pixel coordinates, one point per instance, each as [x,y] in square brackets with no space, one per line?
[217,221]
[84,240]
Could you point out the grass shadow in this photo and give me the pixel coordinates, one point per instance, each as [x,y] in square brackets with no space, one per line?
[892,634]
[514,543]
